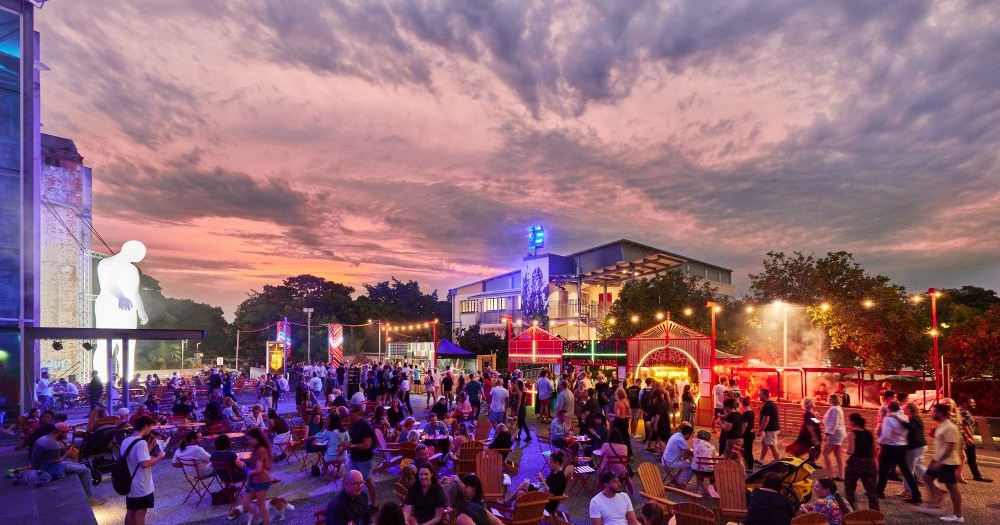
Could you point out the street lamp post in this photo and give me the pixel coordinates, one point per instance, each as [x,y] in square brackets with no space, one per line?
[934,334]
[309,315]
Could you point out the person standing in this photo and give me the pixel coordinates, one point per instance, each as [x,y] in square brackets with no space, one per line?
[892,450]
[474,393]
[544,388]
[140,461]
[522,412]
[732,428]
[688,405]
[620,411]
[835,430]
[769,426]
[718,398]
[635,410]
[565,399]
[95,389]
[361,449]
[860,448]
[944,466]
[748,433]
[498,404]
[967,405]
[43,392]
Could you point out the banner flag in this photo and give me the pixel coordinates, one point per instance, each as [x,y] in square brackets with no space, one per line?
[285,336]
[335,342]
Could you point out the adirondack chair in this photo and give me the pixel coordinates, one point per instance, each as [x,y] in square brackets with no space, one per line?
[652,484]
[688,513]
[489,469]
[390,452]
[399,490]
[730,480]
[483,429]
[528,509]
[466,463]
[864,517]
[812,518]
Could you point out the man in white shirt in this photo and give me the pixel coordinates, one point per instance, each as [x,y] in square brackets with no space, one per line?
[677,452]
[498,404]
[892,450]
[140,496]
[565,399]
[611,506]
[718,398]
[43,391]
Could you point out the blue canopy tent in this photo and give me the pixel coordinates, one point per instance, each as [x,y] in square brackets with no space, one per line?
[448,349]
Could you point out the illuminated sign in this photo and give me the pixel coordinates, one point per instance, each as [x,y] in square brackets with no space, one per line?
[275,357]
[536,237]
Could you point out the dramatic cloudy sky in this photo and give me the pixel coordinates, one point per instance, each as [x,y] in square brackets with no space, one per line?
[248,140]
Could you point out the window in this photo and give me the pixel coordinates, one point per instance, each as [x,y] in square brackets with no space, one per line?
[468,306]
[494,304]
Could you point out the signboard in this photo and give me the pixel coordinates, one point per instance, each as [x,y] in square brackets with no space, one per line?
[335,343]
[218,361]
[275,357]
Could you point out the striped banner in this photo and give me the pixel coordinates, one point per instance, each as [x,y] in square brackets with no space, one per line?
[335,342]
[285,336]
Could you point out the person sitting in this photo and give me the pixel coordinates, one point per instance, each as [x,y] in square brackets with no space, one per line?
[460,438]
[702,465]
[49,455]
[314,427]
[827,501]
[440,408]
[677,454]
[408,431]
[614,448]
[231,415]
[465,496]
[425,501]
[559,431]
[338,399]
[389,513]
[282,434]
[254,418]
[223,456]
[438,428]
[503,440]
[395,413]
[463,408]
[71,394]
[597,431]
[350,505]
[554,484]
[151,404]
[767,505]
[182,409]
[140,411]
[43,426]
[190,451]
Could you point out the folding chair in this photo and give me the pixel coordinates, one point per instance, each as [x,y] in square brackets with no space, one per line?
[580,476]
[200,484]
[226,474]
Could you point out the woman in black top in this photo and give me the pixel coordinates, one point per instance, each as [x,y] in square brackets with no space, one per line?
[395,413]
[502,439]
[809,432]
[467,499]
[522,412]
[554,484]
[916,445]
[860,447]
[425,501]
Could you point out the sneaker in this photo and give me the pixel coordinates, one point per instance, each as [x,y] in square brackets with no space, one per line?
[951,518]
[94,502]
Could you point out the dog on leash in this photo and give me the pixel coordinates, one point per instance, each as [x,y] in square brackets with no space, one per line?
[275,507]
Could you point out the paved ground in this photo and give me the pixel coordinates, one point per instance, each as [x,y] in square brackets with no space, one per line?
[309,494]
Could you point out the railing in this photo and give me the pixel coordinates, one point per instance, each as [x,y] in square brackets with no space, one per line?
[574,310]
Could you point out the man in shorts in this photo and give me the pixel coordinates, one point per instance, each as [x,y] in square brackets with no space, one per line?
[140,496]
[769,427]
[544,387]
[361,449]
[944,467]
[498,404]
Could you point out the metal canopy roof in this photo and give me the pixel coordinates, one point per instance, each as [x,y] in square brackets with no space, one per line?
[628,270]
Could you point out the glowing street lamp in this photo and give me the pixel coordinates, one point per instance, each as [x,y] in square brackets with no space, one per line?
[934,334]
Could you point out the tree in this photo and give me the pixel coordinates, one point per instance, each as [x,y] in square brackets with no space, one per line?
[868,320]
[394,301]
[473,340]
[168,313]
[971,347]
[671,292]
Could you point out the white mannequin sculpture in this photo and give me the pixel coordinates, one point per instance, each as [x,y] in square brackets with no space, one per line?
[118,303]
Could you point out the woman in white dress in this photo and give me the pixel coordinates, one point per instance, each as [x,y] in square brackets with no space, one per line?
[834,428]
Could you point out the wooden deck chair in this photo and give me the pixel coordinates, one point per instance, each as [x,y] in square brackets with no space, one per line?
[384,446]
[864,517]
[466,463]
[390,452]
[483,429]
[528,509]
[652,484]
[811,518]
[200,485]
[692,514]
[730,480]
[489,469]
[399,490]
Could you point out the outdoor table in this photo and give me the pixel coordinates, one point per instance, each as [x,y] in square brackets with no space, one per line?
[163,427]
[235,435]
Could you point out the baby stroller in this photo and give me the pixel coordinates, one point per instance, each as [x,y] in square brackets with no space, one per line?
[795,473]
[99,450]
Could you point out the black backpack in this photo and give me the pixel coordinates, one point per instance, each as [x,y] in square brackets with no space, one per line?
[646,400]
[121,478]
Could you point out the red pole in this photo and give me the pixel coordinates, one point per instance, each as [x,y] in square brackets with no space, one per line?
[435,342]
[934,333]
[712,306]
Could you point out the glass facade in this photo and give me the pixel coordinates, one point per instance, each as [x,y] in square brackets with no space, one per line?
[12,207]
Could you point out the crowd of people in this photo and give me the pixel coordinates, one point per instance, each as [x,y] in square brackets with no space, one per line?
[349,413]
